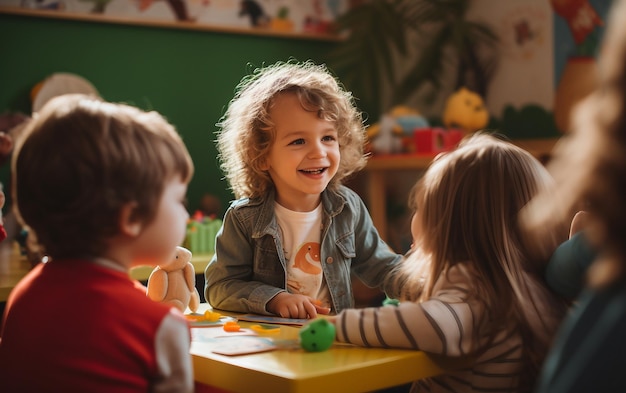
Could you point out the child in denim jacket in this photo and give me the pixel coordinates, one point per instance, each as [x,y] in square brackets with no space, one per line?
[290,242]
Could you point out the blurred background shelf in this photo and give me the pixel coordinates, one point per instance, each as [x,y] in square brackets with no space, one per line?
[379,167]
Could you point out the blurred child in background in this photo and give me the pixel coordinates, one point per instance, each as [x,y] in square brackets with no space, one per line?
[590,165]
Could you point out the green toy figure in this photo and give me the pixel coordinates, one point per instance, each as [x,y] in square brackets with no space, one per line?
[317,336]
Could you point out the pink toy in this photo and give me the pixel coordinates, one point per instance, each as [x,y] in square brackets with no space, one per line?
[174,282]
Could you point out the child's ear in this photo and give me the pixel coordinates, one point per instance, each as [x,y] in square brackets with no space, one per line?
[129,224]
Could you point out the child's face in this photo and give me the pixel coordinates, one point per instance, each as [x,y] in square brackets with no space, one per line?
[304,156]
[158,240]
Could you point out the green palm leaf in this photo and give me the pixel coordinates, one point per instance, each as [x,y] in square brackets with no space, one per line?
[378,41]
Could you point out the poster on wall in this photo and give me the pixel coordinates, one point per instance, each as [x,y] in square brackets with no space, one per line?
[282,17]
[578,30]
[547,62]
[524,75]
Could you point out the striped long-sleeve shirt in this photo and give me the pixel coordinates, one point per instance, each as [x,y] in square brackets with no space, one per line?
[454,323]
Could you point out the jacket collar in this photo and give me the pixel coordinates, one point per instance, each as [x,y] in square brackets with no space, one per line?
[332,204]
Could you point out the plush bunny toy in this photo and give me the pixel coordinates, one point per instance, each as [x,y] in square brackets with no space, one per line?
[174,282]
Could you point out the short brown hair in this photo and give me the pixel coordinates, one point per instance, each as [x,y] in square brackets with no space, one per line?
[80,160]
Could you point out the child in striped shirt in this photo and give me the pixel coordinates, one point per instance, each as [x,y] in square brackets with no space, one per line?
[473,286]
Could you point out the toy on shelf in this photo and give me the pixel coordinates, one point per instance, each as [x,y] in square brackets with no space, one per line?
[436,139]
[281,21]
[466,110]
[174,282]
[384,136]
[394,133]
[409,121]
[201,232]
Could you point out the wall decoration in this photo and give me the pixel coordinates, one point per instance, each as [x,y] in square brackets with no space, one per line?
[302,18]
[525,73]
[579,25]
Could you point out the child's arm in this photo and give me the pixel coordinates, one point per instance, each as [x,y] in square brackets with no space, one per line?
[446,324]
[172,343]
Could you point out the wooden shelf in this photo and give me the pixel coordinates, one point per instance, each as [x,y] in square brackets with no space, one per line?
[539,148]
[185,25]
[399,161]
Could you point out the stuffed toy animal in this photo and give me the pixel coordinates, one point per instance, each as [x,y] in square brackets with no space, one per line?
[174,282]
[466,110]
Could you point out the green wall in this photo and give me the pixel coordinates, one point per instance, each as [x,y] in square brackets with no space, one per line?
[187,75]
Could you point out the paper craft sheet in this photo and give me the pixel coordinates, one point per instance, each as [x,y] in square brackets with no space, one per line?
[273,320]
[243,342]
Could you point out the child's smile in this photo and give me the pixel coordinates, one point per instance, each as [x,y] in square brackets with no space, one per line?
[317,171]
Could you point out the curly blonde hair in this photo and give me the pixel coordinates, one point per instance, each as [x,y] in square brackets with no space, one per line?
[246,131]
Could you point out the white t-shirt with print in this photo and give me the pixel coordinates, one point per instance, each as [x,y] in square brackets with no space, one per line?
[301,235]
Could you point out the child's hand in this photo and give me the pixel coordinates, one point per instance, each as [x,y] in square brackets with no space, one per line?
[288,305]
[322,310]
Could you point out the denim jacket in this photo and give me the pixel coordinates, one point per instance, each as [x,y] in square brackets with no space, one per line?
[249,267]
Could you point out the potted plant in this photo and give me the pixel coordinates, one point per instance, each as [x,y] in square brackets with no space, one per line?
[395,49]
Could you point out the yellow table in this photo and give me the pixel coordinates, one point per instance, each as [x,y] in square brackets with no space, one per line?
[342,368]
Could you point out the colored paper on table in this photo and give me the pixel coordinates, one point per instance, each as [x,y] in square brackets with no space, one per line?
[209,335]
[275,320]
[241,345]
[206,323]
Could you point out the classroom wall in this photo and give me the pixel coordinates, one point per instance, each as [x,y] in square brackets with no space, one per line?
[187,75]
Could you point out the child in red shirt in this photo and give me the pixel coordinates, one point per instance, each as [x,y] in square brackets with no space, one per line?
[102,186]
